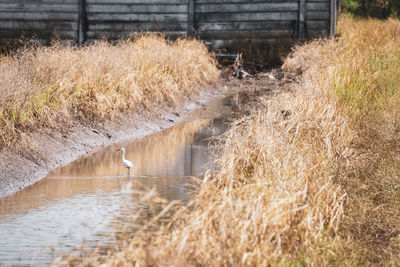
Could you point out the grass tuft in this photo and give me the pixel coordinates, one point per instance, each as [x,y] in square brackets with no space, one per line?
[310,177]
[360,69]
[53,86]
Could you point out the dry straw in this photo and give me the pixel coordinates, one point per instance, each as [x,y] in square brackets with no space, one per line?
[56,85]
[310,180]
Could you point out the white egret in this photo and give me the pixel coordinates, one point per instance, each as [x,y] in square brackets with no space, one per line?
[127,163]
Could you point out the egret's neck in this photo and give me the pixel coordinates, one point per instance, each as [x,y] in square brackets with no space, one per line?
[123,154]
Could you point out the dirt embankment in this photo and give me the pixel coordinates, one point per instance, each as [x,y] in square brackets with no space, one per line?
[46,150]
[56,102]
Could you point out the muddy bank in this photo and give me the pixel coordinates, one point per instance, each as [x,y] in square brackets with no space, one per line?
[45,151]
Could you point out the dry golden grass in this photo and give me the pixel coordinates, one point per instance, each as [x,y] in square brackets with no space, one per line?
[52,86]
[272,200]
[362,69]
[310,180]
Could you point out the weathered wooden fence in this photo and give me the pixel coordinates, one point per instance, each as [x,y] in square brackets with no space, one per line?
[219,21]
[44,19]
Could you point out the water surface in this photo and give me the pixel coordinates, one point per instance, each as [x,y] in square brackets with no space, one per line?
[90,202]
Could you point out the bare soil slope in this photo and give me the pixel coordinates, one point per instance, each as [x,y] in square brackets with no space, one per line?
[46,150]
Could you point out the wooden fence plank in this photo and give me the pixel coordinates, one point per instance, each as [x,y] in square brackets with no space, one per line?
[300,22]
[38,25]
[317,15]
[152,2]
[220,21]
[332,27]
[246,7]
[242,1]
[247,25]
[228,35]
[317,24]
[137,26]
[246,16]
[47,16]
[319,6]
[82,21]
[172,18]
[118,35]
[40,1]
[41,34]
[233,42]
[191,25]
[137,9]
[44,7]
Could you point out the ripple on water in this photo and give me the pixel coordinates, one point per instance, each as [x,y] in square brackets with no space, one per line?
[89,202]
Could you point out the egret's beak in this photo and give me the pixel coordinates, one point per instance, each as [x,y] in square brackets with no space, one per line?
[118,149]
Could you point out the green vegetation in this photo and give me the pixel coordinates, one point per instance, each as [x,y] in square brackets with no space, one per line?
[56,86]
[372,8]
[351,6]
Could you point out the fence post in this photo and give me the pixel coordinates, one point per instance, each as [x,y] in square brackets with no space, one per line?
[191,17]
[333,15]
[82,22]
[301,19]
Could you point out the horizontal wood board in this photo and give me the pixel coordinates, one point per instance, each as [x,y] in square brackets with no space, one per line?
[44,20]
[215,21]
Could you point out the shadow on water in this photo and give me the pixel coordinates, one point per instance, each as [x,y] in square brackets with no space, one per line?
[91,201]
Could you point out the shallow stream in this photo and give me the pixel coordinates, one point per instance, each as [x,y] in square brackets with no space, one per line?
[89,202]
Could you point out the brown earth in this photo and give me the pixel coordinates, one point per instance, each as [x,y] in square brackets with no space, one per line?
[40,152]
[46,150]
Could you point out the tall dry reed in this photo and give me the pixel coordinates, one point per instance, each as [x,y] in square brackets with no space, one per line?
[273,200]
[51,86]
[362,69]
[309,178]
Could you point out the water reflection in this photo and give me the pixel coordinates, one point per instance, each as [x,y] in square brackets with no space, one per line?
[169,152]
[92,200]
